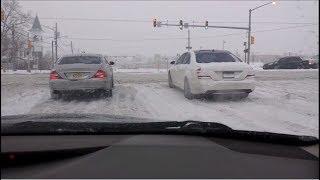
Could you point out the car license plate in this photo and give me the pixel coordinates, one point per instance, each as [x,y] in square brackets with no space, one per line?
[77,75]
[228,74]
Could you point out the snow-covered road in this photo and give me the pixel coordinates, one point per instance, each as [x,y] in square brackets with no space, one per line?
[283,102]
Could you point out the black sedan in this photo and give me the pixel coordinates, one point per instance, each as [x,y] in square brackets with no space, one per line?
[289,62]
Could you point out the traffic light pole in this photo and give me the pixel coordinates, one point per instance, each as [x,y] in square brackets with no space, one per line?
[28,56]
[189,47]
[56,41]
[249,36]
[186,25]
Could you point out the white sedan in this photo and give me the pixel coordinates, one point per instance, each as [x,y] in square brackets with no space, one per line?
[211,72]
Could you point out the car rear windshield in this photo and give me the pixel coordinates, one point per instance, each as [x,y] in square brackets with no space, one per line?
[81,60]
[209,57]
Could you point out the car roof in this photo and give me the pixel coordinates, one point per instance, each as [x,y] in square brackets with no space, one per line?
[211,50]
[291,57]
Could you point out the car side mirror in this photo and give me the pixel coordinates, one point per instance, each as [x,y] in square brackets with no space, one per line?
[172,62]
[111,63]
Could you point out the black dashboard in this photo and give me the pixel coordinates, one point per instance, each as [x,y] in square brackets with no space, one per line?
[152,156]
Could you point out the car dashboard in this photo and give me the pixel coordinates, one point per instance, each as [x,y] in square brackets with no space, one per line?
[153,156]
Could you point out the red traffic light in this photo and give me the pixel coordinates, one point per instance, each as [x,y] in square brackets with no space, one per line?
[154,22]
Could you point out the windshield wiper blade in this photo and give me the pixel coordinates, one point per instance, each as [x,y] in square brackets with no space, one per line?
[223,131]
[65,127]
[210,129]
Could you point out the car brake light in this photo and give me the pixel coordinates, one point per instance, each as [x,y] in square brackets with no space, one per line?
[200,74]
[54,75]
[100,74]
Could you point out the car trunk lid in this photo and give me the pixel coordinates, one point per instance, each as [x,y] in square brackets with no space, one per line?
[77,71]
[225,71]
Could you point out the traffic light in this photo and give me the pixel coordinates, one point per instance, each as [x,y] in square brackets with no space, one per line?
[181,24]
[29,44]
[252,40]
[154,22]
[206,24]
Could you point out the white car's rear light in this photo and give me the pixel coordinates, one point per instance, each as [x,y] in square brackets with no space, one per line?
[202,75]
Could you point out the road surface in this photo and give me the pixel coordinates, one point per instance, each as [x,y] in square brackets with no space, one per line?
[285,101]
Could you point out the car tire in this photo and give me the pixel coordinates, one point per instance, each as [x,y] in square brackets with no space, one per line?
[187,91]
[55,95]
[170,81]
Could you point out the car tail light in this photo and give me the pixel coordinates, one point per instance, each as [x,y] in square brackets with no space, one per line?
[201,75]
[54,75]
[100,74]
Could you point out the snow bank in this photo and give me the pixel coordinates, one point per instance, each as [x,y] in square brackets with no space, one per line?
[257,65]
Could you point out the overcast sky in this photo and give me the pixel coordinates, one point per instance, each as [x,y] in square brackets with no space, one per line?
[129,38]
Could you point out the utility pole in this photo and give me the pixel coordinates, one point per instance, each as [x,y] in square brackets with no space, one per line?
[252,57]
[71,47]
[249,36]
[13,52]
[28,54]
[245,51]
[56,41]
[223,42]
[249,28]
[189,42]
[52,53]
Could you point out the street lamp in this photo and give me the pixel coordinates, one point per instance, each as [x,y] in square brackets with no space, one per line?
[249,30]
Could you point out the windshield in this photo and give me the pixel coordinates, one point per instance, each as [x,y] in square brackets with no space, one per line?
[80,60]
[209,57]
[153,61]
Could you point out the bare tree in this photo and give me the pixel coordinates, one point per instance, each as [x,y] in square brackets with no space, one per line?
[14,29]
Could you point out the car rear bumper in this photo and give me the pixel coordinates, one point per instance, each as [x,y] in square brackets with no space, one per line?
[86,84]
[223,87]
